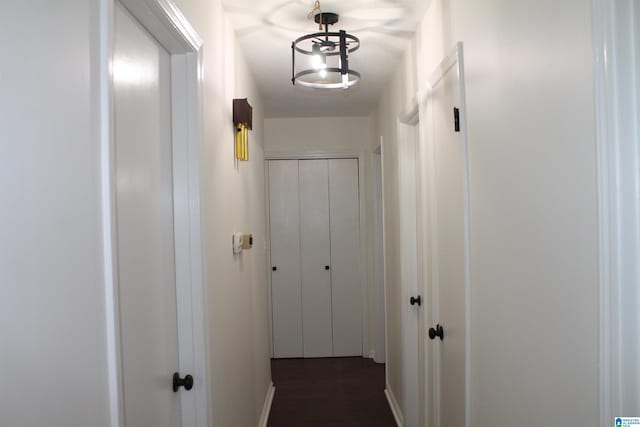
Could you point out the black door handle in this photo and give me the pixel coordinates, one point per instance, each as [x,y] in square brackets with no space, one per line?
[437,332]
[326,267]
[186,382]
[416,300]
[274,268]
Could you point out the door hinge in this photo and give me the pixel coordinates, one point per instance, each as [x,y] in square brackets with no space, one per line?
[456,119]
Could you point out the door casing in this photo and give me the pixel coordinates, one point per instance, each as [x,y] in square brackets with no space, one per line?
[616,30]
[411,314]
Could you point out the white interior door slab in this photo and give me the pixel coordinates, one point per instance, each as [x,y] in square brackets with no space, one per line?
[315,255]
[346,288]
[145,225]
[286,293]
[450,244]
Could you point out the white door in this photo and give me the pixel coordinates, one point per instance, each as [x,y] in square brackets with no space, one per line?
[315,258]
[286,293]
[450,245]
[346,290]
[411,297]
[144,215]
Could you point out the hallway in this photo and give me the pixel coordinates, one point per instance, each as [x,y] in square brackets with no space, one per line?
[336,392]
[488,255]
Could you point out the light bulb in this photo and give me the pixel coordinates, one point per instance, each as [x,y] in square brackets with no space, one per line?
[345,81]
[316,62]
[323,73]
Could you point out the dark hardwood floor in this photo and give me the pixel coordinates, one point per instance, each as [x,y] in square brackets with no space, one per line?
[334,392]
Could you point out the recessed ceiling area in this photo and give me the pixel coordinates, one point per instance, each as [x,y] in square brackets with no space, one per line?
[266,28]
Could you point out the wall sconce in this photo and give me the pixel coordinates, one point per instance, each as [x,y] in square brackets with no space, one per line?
[242,123]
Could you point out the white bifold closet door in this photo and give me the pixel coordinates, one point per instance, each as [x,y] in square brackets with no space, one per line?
[315,230]
[345,257]
[286,307]
[315,258]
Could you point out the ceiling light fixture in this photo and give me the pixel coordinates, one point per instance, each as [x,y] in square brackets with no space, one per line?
[328,67]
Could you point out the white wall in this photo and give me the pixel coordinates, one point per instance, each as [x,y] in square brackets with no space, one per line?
[530,117]
[317,135]
[233,194]
[533,207]
[52,321]
[52,315]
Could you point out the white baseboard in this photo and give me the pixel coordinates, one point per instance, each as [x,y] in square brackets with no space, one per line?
[395,408]
[372,354]
[266,409]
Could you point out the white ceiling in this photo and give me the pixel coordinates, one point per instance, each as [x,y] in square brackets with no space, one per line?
[266,28]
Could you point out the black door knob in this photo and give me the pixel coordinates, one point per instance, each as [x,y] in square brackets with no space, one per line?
[437,332]
[186,382]
[416,300]
[274,268]
[326,267]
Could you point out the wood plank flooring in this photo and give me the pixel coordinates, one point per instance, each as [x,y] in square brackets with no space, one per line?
[333,392]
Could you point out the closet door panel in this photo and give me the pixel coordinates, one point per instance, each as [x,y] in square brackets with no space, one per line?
[345,257]
[285,258]
[315,257]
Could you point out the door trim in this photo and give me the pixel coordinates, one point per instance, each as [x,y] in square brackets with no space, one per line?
[617,111]
[454,59]
[378,352]
[387,382]
[602,17]
[364,289]
[407,129]
[169,26]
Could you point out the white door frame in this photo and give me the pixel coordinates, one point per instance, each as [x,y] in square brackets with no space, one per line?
[388,392]
[378,298]
[427,174]
[616,27]
[408,132]
[169,26]
[363,238]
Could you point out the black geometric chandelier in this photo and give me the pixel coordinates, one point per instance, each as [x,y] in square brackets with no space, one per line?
[321,60]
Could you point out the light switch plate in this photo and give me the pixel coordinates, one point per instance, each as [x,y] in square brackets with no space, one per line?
[236,241]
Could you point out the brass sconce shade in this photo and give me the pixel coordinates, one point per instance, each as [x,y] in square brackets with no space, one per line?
[242,122]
